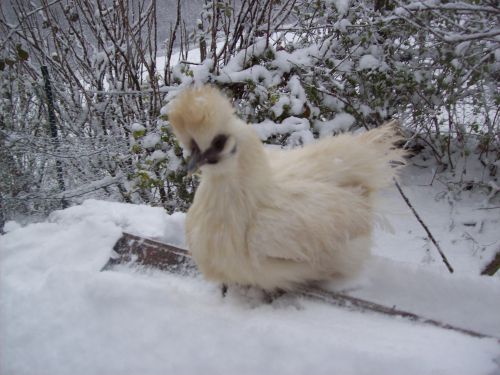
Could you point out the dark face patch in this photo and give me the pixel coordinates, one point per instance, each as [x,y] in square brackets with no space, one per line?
[219,142]
[211,156]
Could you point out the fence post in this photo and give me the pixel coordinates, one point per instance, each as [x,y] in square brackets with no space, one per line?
[2,217]
[53,131]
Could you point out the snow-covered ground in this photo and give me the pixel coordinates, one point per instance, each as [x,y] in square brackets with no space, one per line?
[60,315]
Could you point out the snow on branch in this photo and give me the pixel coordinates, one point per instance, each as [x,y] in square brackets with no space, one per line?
[456,38]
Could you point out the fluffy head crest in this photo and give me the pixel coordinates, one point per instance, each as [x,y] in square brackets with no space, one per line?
[199,113]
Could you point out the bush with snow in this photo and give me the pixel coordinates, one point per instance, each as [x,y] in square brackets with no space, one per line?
[297,70]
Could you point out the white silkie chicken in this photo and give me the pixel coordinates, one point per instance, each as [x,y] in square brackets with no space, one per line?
[277,219]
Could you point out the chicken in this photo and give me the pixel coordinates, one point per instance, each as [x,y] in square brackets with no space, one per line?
[277,219]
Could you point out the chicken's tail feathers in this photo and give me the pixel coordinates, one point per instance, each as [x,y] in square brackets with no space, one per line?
[376,157]
[387,138]
[386,135]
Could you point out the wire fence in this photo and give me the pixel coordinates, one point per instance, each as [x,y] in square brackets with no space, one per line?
[60,159]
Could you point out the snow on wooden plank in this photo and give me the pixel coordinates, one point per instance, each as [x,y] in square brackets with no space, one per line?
[135,250]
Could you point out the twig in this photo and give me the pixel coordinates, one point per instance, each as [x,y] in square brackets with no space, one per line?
[13,29]
[492,267]
[190,63]
[443,256]
[170,45]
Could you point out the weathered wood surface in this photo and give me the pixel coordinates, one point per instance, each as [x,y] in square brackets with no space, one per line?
[135,250]
[492,267]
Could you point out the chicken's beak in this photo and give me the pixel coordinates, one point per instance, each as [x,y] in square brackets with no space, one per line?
[195,161]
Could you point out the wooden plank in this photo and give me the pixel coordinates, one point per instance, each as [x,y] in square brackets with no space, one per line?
[135,250]
[492,267]
[358,304]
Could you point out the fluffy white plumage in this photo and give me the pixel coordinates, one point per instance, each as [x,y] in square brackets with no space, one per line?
[276,219]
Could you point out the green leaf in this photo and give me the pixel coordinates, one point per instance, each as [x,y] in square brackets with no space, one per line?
[138,134]
[21,53]
[136,149]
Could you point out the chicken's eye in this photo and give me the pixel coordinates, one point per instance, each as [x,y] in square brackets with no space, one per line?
[219,142]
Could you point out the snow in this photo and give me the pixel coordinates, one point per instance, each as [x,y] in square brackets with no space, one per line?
[402,12]
[234,70]
[332,102]
[136,127]
[461,48]
[368,62]
[268,128]
[340,123]
[201,73]
[60,314]
[284,61]
[242,57]
[150,140]
[174,162]
[437,297]
[148,221]
[11,226]
[341,5]
[256,73]
[158,155]
[277,108]
[343,24]
[297,96]
[299,138]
